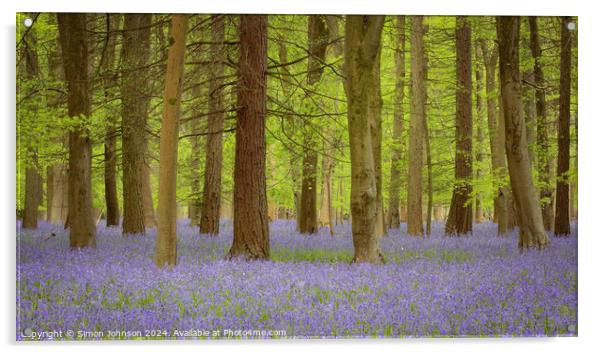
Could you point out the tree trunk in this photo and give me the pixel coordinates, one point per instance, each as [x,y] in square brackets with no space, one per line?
[562,226]
[74,46]
[479,156]
[318,41]
[459,220]
[194,206]
[110,143]
[529,217]
[251,234]
[135,89]
[362,46]
[213,149]
[374,109]
[417,116]
[168,158]
[397,148]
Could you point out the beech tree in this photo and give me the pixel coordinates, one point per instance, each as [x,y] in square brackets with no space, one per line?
[166,253]
[251,235]
[74,47]
[529,217]
[459,220]
[362,46]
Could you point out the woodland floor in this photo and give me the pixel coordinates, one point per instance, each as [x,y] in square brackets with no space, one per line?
[479,285]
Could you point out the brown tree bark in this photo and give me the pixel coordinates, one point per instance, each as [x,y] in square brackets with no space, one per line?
[480,112]
[398,147]
[251,234]
[110,143]
[318,42]
[194,206]
[532,232]
[166,253]
[135,88]
[362,46]
[544,165]
[74,45]
[562,226]
[459,221]
[210,211]
[33,180]
[417,116]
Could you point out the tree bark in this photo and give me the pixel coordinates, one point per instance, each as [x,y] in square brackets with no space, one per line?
[168,158]
[417,116]
[398,147]
[251,234]
[544,165]
[562,226]
[135,88]
[213,149]
[459,221]
[74,45]
[479,156]
[362,46]
[529,217]
[194,206]
[110,143]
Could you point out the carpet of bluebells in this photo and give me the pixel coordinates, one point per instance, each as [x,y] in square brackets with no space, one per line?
[480,285]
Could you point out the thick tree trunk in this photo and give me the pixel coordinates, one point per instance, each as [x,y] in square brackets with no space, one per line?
[397,149]
[374,109]
[362,46]
[74,46]
[135,88]
[110,143]
[459,220]
[544,165]
[318,41]
[417,116]
[213,149]
[168,159]
[57,193]
[529,217]
[562,226]
[251,234]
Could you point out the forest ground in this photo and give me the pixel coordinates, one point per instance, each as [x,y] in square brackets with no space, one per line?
[480,285]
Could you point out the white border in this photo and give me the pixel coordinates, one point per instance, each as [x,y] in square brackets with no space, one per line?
[589,151]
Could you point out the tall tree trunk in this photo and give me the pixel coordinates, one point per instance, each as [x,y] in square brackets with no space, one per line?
[459,220]
[562,226]
[168,159]
[544,165]
[213,148]
[362,46]
[479,156]
[74,46]
[110,143]
[374,109]
[251,234]
[33,180]
[397,148]
[417,116]
[194,207]
[532,232]
[318,41]
[429,178]
[135,88]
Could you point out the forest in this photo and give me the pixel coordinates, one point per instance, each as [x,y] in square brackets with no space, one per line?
[295,176]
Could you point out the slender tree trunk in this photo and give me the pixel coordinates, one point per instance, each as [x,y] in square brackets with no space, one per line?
[480,112]
[194,207]
[318,41]
[251,234]
[417,116]
[168,159]
[544,165]
[33,180]
[429,180]
[459,220]
[529,217]
[362,46]
[74,46]
[374,109]
[562,226]
[135,98]
[213,149]
[110,143]
[397,148]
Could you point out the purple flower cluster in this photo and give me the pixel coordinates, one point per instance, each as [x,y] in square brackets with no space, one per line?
[479,285]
